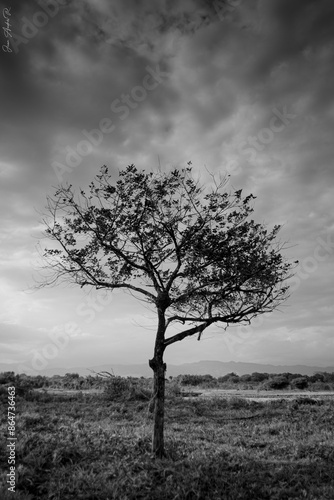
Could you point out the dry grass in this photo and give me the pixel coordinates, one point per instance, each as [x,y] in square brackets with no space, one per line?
[88,447]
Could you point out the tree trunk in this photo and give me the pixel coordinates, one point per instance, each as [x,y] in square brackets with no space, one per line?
[159,367]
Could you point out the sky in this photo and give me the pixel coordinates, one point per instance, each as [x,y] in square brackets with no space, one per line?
[243,88]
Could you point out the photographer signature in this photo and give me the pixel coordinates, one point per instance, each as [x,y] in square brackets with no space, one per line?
[6,29]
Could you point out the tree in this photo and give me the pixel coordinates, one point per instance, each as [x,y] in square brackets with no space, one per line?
[193,254]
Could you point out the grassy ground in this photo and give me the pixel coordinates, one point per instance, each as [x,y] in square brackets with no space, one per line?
[89,448]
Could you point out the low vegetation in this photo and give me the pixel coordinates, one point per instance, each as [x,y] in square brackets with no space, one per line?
[321,381]
[97,446]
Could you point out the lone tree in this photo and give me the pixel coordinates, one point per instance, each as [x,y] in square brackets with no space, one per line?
[194,254]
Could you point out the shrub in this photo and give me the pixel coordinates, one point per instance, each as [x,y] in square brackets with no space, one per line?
[259,377]
[229,377]
[299,383]
[7,377]
[23,387]
[3,391]
[290,376]
[211,384]
[306,401]
[194,379]
[119,388]
[173,390]
[319,386]
[278,382]
[317,377]
[116,387]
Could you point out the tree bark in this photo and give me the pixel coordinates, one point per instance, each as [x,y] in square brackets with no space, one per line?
[159,368]
[158,445]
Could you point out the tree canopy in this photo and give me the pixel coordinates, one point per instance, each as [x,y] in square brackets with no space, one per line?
[162,237]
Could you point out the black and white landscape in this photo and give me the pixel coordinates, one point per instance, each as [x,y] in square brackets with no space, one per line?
[166,187]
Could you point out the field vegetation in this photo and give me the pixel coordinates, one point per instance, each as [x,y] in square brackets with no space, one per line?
[92,441]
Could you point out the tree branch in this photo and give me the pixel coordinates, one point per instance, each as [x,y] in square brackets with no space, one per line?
[103,284]
[187,333]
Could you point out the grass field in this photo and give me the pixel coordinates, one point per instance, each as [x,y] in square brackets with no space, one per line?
[84,446]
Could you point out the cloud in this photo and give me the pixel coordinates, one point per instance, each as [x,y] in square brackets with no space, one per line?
[229,72]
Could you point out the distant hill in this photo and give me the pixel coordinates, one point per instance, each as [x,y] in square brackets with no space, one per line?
[214,368]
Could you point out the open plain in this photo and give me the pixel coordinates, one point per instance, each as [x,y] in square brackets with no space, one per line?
[230,444]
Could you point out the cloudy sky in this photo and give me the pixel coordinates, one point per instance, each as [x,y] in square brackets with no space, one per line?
[244,87]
